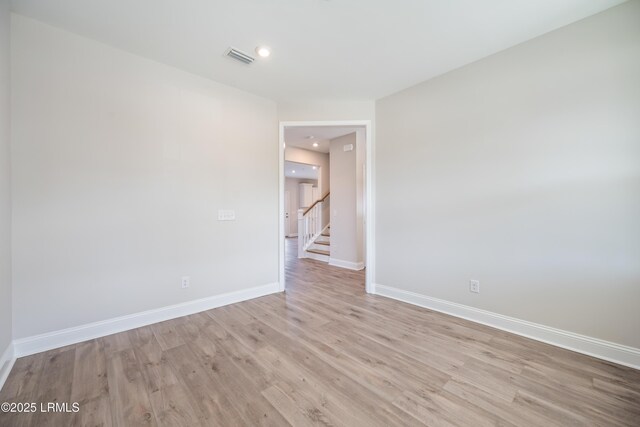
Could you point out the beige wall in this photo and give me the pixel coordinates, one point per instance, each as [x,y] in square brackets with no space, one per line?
[5,181]
[299,155]
[120,165]
[346,235]
[522,170]
[326,110]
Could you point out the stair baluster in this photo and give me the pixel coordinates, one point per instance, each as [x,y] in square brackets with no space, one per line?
[310,224]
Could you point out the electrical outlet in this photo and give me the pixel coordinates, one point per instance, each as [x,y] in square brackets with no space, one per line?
[185,281]
[474,286]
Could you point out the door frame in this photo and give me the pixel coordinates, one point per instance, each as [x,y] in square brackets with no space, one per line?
[369,217]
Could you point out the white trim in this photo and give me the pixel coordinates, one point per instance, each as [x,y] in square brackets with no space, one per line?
[612,352]
[281,230]
[6,363]
[370,195]
[369,218]
[346,264]
[61,338]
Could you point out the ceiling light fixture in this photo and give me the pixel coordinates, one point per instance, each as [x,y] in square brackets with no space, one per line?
[315,167]
[315,144]
[263,51]
[293,171]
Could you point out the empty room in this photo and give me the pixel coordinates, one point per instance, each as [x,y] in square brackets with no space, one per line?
[319,212]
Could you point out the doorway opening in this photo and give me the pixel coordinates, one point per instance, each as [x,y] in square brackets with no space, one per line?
[326,206]
[302,187]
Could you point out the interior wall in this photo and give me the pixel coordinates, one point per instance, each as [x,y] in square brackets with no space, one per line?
[345,245]
[326,110]
[522,171]
[120,166]
[308,157]
[5,182]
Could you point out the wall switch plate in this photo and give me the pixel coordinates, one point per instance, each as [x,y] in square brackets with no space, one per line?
[348,147]
[226,215]
[185,281]
[474,286]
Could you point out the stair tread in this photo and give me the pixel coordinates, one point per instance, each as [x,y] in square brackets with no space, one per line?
[319,251]
[325,234]
[318,242]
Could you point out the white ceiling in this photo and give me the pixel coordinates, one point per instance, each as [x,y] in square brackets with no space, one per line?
[300,170]
[300,136]
[348,49]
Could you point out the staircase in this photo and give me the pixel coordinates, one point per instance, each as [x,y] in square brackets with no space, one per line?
[320,247]
[314,240]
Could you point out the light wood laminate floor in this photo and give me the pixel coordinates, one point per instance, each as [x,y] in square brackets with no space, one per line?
[323,354]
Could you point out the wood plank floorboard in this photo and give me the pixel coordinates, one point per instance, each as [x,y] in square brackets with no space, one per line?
[323,353]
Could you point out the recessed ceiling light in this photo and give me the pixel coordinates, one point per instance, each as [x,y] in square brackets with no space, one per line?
[315,144]
[263,51]
[315,167]
[293,171]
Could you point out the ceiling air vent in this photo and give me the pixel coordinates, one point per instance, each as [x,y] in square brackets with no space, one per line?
[239,56]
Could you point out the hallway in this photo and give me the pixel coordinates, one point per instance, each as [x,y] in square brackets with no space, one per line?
[304,274]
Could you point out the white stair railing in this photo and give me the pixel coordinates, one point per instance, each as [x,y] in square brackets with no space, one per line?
[310,224]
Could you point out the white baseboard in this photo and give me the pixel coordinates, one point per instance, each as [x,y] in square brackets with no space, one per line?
[612,352]
[6,363]
[38,343]
[346,264]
